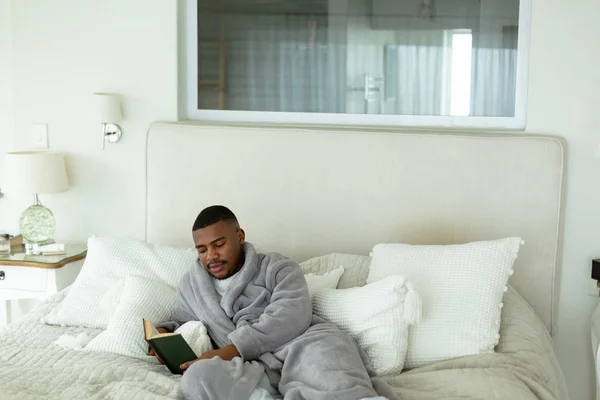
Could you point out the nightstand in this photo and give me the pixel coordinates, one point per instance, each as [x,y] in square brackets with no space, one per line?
[37,277]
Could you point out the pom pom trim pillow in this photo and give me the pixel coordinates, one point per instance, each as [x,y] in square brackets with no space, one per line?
[461,286]
[377,316]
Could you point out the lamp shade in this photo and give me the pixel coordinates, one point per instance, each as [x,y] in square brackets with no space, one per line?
[35,172]
[108,108]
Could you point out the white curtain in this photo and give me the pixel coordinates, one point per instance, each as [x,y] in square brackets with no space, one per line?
[418,75]
[278,63]
[494,76]
[494,82]
[275,65]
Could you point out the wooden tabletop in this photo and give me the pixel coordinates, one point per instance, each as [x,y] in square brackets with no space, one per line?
[74,252]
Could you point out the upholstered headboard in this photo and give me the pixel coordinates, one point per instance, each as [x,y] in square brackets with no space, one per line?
[306,192]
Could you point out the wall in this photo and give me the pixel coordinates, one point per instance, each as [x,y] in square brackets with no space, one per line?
[6,112]
[63,51]
[563,100]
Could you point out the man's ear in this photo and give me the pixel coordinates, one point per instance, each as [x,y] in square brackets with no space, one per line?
[241,236]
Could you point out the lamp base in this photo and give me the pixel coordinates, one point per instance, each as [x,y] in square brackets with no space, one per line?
[37,224]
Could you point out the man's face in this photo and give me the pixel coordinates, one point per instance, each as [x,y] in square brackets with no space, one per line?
[220,248]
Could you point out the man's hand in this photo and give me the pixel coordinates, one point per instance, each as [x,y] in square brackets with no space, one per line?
[226,354]
[151,351]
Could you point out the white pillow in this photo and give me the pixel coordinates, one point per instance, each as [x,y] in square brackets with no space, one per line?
[141,298]
[462,288]
[144,299]
[328,280]
[108,261]
[376,316]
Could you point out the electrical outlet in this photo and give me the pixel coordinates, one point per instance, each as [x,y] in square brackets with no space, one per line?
[593,289]
[39,136]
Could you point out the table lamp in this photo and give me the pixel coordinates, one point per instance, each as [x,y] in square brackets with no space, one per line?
[35,172]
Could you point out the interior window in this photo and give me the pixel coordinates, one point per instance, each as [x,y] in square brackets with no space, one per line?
[454,58]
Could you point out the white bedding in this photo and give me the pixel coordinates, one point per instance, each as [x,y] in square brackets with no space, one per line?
[32,367]
[524,365]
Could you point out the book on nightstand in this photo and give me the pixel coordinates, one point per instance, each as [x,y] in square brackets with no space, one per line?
[172,348]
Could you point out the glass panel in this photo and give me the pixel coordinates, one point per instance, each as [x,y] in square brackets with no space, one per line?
[398,57]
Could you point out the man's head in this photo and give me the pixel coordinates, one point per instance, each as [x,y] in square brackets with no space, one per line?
[219,239]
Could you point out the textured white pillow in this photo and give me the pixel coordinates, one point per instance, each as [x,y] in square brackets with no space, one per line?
[462,288]
[328,280]
[108,261]
[376,316]
[141,298]
[144,299]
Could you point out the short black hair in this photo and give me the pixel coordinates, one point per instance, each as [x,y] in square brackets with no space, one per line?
[211,215]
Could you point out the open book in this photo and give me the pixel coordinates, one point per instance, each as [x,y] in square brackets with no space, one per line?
[172,348]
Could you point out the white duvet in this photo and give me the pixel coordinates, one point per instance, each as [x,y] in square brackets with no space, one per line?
[33,367]
[524,365]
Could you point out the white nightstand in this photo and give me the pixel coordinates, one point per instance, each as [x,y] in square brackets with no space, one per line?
[37,277]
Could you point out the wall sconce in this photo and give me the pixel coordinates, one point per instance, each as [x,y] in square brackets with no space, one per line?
[108,109]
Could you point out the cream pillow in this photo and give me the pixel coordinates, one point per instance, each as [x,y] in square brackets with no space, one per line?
[462,288]
[329,280]
[356,267]
[109,260]
[377,316]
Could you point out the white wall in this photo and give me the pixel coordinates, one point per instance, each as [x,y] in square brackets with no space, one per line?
[6,112]
[5,76]
[563,100]
[64,51]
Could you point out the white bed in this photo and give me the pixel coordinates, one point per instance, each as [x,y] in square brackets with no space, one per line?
[523,367]
[307,193]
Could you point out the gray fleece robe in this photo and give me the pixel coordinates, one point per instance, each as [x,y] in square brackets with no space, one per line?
[266,313]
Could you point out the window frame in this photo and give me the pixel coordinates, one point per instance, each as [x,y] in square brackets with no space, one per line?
[188,59]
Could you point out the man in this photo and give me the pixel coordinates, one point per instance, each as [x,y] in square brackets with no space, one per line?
[258,313]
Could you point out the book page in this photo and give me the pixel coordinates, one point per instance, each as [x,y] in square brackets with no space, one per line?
[149,329]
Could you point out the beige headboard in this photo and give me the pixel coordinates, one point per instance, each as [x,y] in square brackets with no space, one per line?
[305,192]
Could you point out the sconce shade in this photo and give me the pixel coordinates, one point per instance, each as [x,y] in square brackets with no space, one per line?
[35,172]
[108,108]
